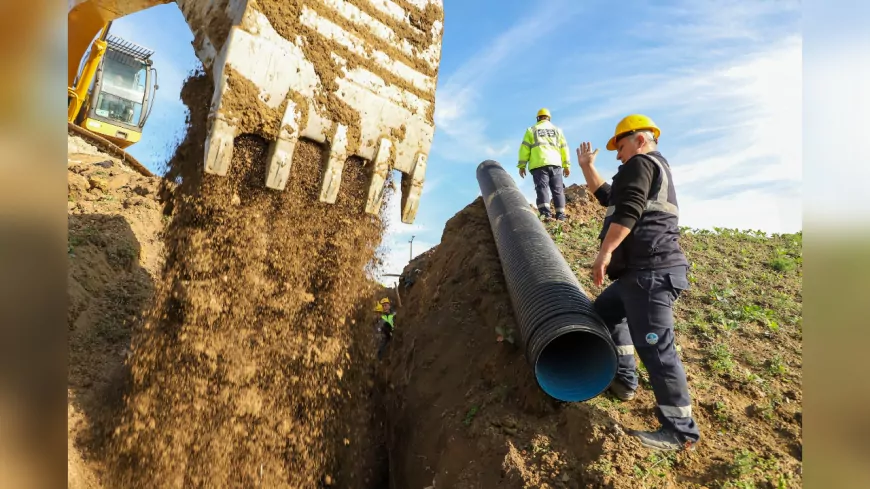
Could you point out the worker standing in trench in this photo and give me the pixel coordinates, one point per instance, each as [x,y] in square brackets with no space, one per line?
[386,324]
[545,151]
[641,253]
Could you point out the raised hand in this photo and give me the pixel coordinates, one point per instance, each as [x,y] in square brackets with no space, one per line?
[585,155]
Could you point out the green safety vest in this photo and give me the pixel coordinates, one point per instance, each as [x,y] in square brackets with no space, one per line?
[543,145]
[389,318]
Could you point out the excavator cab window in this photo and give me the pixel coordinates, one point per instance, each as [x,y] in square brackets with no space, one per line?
[122,92]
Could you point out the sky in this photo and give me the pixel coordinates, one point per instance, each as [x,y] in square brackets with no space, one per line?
[721,78]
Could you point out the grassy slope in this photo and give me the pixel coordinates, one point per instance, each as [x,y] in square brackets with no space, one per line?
[739,333]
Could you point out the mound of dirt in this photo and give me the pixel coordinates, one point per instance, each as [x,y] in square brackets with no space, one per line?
[464,410]
[114,255]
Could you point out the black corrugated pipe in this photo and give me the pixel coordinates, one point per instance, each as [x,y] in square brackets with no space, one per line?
[565,341]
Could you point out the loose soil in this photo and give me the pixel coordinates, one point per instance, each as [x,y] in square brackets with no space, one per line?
[465,411]
[246,367]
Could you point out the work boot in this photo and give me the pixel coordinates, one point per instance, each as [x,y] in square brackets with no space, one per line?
[621,391]
[546,216]
[560,216]
[663,439]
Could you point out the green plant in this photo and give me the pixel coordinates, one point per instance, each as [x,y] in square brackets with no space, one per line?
[721,294]
[469,416]
[558,234]
[540,444]
[604,466]
[506,334]
[754,312]
[720,410]
[721,361]
[776,367]
[782,264]
[656,465]
[749,466]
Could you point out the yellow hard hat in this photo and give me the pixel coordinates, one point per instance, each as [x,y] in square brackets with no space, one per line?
[385,300]
[633,122]
[545,112]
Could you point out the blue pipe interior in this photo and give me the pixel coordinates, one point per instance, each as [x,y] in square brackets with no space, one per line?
[576,366]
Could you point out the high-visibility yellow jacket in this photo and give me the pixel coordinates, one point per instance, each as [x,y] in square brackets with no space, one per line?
[389,319]
[543,145]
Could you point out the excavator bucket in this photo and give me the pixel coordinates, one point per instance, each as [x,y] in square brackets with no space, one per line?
[357,76]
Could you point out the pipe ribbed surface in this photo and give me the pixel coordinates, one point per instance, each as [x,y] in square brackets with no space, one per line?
[566,343]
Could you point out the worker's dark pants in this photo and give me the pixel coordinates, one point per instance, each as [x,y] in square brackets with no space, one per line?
[549,179]
[638,310]
[386,336]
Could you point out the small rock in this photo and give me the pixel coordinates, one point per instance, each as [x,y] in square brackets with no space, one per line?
[566,477]
[509,431]
[98,183]
[327,479]
[346,442]
[575,193]
[105,164]
[236,200]
[143,191]
[133,201]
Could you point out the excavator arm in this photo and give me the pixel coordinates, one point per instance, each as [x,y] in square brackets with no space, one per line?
[357,76]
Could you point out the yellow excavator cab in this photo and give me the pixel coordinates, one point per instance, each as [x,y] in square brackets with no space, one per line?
[120,94]
[356,76]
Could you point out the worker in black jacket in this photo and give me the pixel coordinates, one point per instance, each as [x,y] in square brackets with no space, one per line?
[640,252]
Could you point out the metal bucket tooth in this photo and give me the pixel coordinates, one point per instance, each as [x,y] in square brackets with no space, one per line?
[386,85]
[380,170]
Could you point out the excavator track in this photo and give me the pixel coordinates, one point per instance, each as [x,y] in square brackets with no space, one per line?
[108,147]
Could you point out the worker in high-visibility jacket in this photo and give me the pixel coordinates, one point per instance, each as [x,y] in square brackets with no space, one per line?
[545,151]
[386,324]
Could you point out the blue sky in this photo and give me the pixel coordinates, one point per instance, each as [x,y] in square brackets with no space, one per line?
[722,79]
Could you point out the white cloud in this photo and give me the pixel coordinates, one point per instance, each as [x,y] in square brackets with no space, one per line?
[752,209]
[457,113]
[731,124]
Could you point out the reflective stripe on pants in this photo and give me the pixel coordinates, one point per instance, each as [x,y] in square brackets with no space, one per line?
[549,179]
[638,310]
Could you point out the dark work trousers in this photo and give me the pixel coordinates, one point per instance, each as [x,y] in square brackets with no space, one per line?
[638,310]
[386,336]
[549,179]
